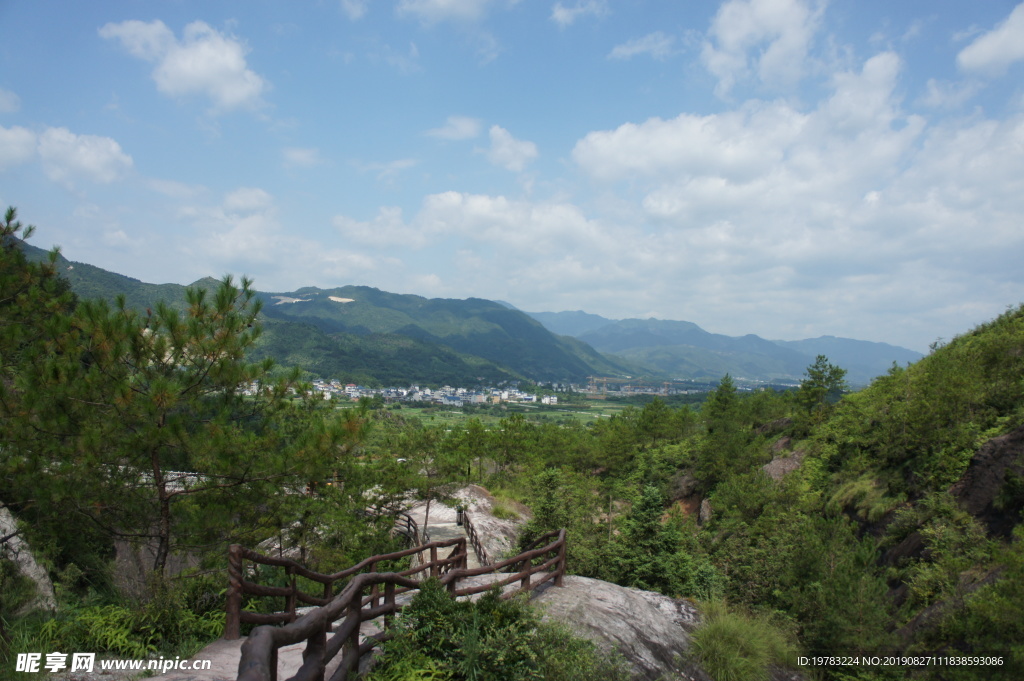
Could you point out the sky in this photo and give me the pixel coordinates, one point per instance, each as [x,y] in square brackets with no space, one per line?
[788,168]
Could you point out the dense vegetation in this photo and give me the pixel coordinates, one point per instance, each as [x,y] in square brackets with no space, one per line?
[890,522]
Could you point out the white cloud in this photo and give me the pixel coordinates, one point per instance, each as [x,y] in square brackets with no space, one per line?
[738,144]
[386,230]
[244,234]
[204,62]
[9,102]
[17,146]
[944,94]
[67,157]
[851,209]
[150,41]
[301,157]
[406,62]
[386,170]
[248,200]
[174,189]
[769,37]
[508,152]
[567,15]
[435,11]
[992,52]
[457,128]
[658,45]
[355,9]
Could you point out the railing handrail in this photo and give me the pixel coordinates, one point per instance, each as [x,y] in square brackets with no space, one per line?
[404,523]
[259,652]
[474,539]
[238,586]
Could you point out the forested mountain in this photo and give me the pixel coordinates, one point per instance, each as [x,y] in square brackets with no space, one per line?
[377,337]
[474,327]
[682,349]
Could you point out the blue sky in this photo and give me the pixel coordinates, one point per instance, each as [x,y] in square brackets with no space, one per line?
[790,168]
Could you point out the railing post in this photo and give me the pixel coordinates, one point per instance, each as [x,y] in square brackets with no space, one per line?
[350,658]
[233,609]
[316,648]
[561,558]
[375,589]
[290,599]
[524,583]
[434,570]
[389,600]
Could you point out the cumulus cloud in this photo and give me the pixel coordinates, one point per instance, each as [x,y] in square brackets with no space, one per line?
[9,102]
[175,189]
[508,152]
[17,146]
[355,9]
[658,45]
[567,15]
[768,37]
[992,52]
[301,157]
[457,128]
[386,230]
[247,200]
[435,11]
[204,62]
[945,94]
[831,208]
[244,233]
[386,170]
[68,157]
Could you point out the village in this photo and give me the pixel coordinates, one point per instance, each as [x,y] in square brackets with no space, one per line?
[445,395]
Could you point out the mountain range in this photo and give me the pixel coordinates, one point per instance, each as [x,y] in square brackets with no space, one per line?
[684,350]
[364,335]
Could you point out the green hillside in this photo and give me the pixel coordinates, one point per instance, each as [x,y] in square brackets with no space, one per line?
[481,328]
[379,337]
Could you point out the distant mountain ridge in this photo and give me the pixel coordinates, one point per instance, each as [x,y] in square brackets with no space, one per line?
[682,349]
[364,335]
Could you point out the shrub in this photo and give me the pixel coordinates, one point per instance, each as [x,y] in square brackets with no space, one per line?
[486,640]
[732,646]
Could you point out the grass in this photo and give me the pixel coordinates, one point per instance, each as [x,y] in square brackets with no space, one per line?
[735,646]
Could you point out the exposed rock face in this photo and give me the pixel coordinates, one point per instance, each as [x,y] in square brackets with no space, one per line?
[780,466]
[650,630]
[498,535]
[706,512]
[16,550]
[985,477]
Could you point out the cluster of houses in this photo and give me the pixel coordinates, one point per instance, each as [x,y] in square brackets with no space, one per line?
[445,395]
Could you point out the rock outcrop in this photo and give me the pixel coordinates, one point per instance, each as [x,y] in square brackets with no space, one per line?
[16,550]
[979,488]
[650,630]
[497,534]
[783,464]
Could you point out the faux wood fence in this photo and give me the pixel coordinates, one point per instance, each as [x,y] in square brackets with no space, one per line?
[474,539]
[404,524]
[362,600]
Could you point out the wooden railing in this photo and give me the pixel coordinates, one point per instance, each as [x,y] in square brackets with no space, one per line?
[404,524]
[361,601]
[239,587]
[474,539]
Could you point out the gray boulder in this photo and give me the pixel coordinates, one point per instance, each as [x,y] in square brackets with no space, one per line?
[651,631]
[17,551]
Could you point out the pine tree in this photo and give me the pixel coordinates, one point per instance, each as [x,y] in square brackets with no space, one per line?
[162,409]
[824,385]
